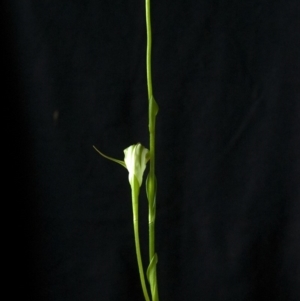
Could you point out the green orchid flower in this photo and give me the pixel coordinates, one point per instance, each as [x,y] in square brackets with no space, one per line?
[135,161]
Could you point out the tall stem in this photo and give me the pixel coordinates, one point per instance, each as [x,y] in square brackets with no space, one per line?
[151,180]
[152,114]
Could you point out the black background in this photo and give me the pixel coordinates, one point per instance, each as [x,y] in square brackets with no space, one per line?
[226,79]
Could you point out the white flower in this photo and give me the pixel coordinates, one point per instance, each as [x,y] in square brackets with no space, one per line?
[136,157]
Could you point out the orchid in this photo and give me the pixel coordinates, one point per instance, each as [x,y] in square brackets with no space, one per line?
[135,160]
[136,157]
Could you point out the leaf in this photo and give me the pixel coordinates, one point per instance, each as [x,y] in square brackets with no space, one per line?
[155,106]
[151,276]
[153,110]
[110,158]
[151,187]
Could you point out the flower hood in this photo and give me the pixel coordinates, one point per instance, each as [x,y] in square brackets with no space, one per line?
[136,157]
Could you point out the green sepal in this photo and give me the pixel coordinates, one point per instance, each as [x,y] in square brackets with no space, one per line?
[110,158]
[151,276]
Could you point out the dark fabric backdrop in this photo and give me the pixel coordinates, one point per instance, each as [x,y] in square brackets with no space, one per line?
[226,78]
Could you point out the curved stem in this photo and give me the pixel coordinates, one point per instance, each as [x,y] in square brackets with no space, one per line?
[135,208]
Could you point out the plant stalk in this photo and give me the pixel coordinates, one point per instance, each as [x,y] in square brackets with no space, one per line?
[135,208]
[151,180]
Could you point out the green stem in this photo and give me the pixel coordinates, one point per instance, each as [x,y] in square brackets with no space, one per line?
[152,114]
[149,48]
[135,208]
[151,180]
